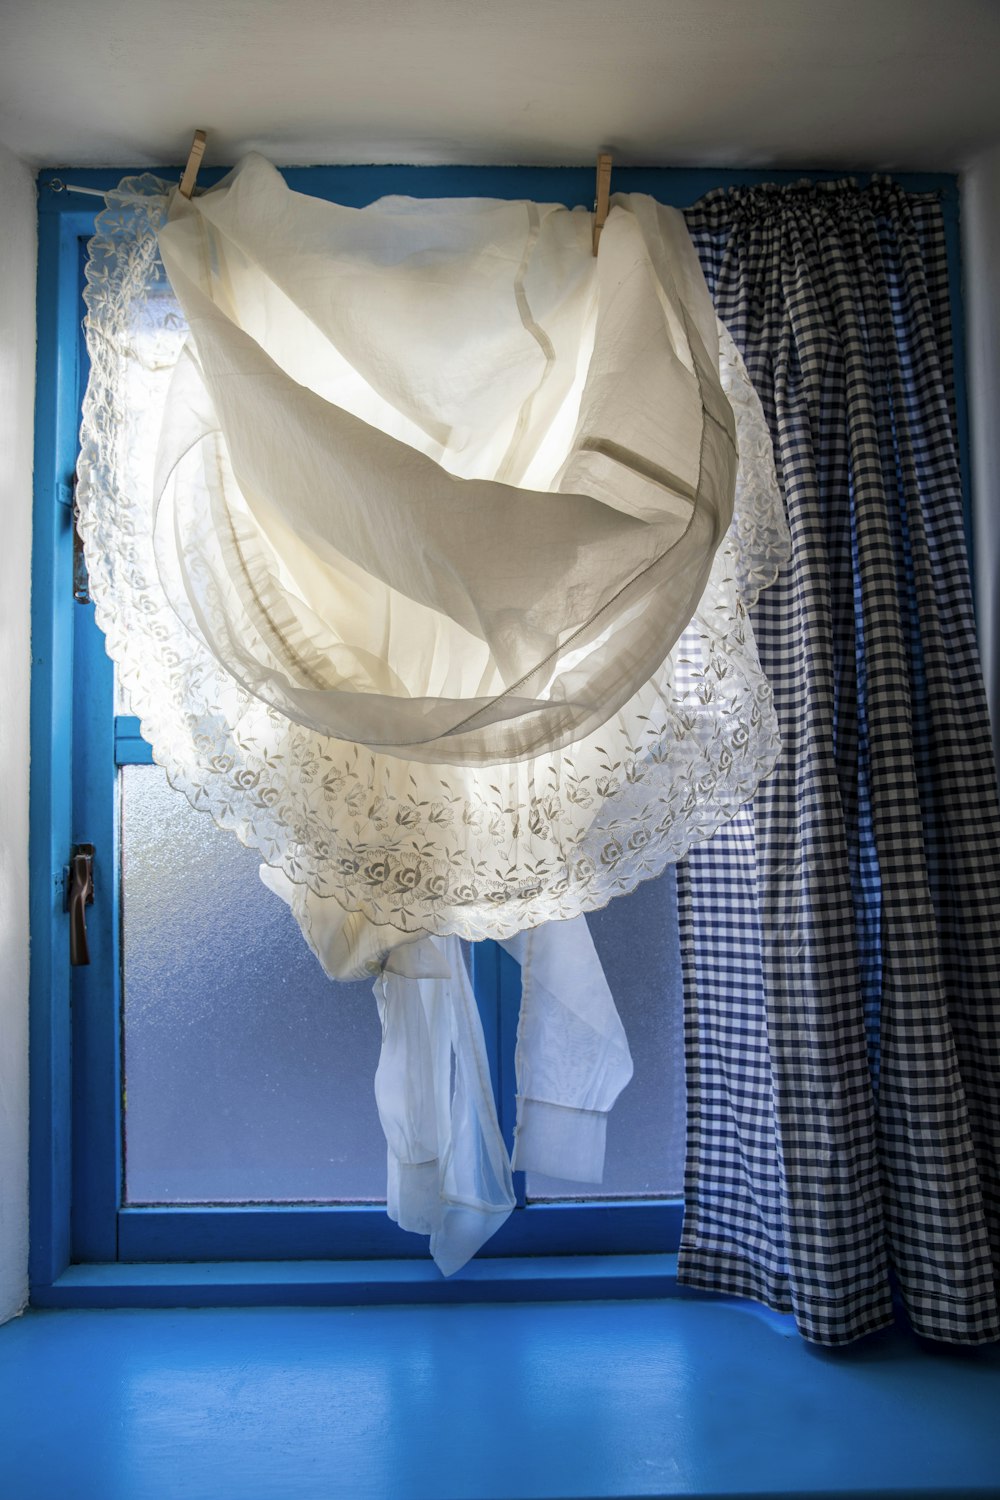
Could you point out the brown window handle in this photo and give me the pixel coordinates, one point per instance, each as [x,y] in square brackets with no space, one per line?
[80,895]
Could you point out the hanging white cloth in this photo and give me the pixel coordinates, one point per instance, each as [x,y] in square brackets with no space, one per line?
[437,480]
[433,598]
[572,1059]
[231,639]
[448,1174]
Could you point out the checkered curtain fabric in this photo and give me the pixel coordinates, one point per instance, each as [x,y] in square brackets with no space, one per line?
[841,938]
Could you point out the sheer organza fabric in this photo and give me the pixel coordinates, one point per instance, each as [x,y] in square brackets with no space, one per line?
[404,602]
[435,479]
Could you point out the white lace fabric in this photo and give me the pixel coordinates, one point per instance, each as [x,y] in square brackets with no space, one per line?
[237,688]
[436,596]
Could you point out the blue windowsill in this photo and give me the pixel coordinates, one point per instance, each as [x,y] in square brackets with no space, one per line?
[360,1283]
[523,1401]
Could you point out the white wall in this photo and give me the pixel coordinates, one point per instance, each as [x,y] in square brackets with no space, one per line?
[981,277]
[17,377]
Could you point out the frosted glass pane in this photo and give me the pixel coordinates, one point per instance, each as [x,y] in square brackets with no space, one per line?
[636,939]
[248,1073]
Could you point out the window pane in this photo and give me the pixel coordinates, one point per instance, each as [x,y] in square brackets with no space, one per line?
[249,1074]
[636,940]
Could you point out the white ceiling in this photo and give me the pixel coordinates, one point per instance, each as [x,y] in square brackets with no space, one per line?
[801,83]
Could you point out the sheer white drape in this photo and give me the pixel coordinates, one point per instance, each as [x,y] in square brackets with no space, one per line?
[437,481]
[433,595]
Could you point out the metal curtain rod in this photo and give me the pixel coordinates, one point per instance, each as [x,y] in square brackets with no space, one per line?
[58,186]
[604,163]
[187,180]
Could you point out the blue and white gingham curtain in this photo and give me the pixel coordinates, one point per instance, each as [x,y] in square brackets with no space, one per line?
[841,938]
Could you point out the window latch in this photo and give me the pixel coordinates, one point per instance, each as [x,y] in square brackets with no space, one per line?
[79,895]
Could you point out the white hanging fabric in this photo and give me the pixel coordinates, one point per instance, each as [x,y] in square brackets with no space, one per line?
[448,1172]
[435,479]
[436,595]
[405,845]
[572,1057]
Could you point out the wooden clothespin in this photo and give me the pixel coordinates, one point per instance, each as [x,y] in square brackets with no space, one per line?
[603,194]
[193,163]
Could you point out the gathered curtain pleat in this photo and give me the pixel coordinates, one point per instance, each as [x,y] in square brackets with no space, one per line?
[841,936]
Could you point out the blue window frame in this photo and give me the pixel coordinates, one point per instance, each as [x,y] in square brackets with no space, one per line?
[86,1244]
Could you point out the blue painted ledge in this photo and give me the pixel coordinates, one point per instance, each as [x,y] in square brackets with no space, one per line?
[352,1283]
[484,1402]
